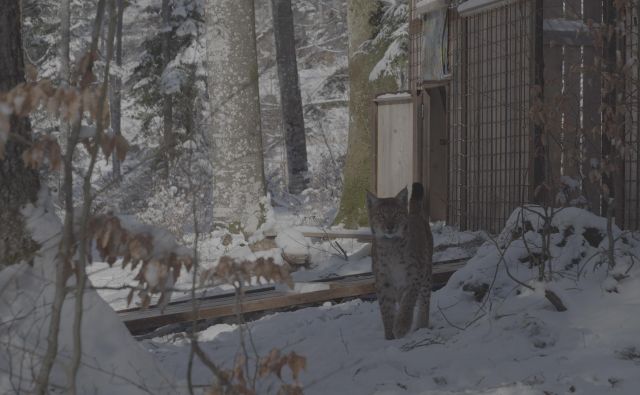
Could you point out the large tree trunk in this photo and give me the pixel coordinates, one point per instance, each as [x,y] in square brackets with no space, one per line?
[167,100]
[235,111]
[64,13]
[116,89]
[18,185]
[290,100]
[357,172]
[65,38]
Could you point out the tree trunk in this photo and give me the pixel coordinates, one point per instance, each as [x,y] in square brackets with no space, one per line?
[18,185]
[64,14]
[235,111]
[290,100]
[116,89]
[65,38]
[357,171]
[167,104]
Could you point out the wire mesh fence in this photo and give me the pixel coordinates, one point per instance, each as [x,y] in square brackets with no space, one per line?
[491,54]
[503,61]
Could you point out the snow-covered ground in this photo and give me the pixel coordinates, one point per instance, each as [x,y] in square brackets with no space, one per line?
[492,330]
[510,342]
[325,258]
[112,361]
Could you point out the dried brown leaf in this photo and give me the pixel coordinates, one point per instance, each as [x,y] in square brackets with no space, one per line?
[297,363]
[146,301]
[107,143]
[30,72]
[121,146]
[55,155]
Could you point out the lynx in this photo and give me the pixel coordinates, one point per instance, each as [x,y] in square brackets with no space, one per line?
[401,260]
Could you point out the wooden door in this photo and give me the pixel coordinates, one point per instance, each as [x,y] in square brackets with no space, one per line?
[393,143]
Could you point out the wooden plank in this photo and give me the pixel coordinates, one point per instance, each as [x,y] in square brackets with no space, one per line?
[395,147]
[437,154]
[592,140]
[140,321]
[362,235]
[331,235]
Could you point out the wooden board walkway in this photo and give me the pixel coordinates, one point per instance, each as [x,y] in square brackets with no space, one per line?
[362,235]
[140,321]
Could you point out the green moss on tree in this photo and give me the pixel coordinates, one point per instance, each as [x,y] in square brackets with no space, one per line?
[358,167]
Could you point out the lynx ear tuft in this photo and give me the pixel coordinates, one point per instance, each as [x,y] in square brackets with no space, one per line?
[371,200]
[402,196]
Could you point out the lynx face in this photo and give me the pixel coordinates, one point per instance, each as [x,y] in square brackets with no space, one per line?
[388,217]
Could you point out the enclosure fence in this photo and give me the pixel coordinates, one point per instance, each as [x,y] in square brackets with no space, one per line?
[491,55]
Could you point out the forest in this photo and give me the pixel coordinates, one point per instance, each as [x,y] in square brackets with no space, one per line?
[319,197]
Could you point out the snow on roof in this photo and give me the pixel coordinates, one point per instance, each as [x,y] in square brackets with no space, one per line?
[564,25]
[398,95]
[426,6]
[472,7]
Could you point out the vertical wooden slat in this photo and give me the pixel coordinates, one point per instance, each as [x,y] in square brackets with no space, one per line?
[591,141]
[553,128]
[573,92]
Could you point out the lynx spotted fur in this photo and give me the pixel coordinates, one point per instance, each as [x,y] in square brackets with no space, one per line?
[401,260]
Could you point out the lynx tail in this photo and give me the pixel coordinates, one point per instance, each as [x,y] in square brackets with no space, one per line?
[417,197]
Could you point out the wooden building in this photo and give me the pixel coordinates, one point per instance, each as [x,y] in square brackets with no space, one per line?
[507,109]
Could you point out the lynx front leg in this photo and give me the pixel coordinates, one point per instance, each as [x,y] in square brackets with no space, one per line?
[387,309]
[423,309]
[404,319]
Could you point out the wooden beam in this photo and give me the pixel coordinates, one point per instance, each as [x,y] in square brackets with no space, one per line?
[363,234]
[144,320]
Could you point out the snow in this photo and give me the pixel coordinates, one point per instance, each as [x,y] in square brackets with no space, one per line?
[399,95]
[471,7]
[293,242]
[426,6]
[511,342]
[112,361]
[514,342]
[564,25]
[393,52]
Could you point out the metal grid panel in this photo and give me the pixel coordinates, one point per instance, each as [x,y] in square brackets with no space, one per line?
[571,132]
[631,103]
[491,56]
[456,212]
